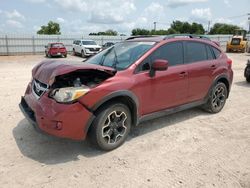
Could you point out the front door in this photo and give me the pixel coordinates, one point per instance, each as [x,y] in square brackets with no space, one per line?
[167,88]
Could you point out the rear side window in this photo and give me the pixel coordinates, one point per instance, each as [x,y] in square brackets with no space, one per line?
[195,52]
[209,53]
[216,52]
[172,52]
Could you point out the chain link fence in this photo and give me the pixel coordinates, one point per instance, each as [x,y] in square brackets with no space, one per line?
[15,44]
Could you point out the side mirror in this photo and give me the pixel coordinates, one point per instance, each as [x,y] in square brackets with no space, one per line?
[45,46]
[158,65]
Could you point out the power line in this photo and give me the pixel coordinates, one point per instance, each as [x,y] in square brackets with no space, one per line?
[239,16]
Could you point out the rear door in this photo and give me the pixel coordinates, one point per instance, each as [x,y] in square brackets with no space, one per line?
[200,65]
[167,88]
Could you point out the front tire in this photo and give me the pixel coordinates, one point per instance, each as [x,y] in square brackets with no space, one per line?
[217,98]
[111,126]
[83,54]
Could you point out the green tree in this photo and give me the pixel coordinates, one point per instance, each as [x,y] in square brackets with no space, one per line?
[185,27]
[52,28]
[175,28]
[221,28]
[139,31]
[109,32]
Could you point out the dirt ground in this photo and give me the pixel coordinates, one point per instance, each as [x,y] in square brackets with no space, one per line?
[188,149]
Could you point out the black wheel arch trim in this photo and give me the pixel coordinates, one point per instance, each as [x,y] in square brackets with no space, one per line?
[223,76]
[113,95]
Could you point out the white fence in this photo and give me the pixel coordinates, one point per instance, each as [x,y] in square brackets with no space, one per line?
[34,44]
[15,44]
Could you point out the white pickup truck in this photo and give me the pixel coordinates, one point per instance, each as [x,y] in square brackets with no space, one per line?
[85,47]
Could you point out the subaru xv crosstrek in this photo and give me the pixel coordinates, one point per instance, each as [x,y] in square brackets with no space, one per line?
[135,80]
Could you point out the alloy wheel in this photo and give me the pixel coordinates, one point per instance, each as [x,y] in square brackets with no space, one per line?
[114,127]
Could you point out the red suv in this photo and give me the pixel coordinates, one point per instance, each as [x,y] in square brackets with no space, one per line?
[133,81]
[55,49]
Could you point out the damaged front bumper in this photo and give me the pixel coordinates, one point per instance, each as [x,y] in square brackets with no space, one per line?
[61,120]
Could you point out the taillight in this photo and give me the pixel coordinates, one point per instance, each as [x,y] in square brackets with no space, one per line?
[229,62]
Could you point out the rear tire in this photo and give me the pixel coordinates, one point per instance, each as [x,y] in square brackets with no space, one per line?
[111,126]
[248,79]
[217,98]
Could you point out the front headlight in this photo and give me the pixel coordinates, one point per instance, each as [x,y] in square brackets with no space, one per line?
[68,94]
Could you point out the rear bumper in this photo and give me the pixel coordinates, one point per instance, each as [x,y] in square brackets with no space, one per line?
[57,53]
[235,48]
[61,120]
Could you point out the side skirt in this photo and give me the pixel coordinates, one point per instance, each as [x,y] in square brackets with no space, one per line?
[168,111]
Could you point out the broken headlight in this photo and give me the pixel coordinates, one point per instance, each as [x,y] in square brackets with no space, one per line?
[68,94]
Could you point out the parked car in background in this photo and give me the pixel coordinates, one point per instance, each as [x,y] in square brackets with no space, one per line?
[247,71]
[85,48]
[135,80]
[107,45]
[55,49]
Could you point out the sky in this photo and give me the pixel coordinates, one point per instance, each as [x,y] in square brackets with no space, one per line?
[85,16]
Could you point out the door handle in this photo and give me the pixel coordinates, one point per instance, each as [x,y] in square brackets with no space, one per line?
[183,74]
[213,66]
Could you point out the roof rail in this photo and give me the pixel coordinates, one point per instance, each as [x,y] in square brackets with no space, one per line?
[140,36]
[187,36]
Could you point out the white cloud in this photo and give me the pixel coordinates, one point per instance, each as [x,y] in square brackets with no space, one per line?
[36,1]
[223,20]
[14,24]
[227,3]
[60,20]
[201,15]
[73,5]
[36,28]
[105,18]
[180,3]
[101,12]
[154,8]
[14,15]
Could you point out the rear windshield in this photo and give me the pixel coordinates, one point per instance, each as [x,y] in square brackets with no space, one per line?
[57,45]
[88,42]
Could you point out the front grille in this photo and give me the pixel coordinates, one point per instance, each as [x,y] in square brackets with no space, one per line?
[94,49]
[38,88]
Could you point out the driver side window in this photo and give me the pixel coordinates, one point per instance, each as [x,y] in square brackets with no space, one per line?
[172,52]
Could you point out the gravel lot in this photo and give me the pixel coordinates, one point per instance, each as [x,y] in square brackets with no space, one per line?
[188,149]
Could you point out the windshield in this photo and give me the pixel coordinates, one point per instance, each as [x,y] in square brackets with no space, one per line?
[121,55]
[88,42]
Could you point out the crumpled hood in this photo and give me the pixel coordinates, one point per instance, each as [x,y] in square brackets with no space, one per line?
[46,71]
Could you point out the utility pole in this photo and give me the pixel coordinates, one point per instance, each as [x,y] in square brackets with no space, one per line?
[208,26]
[248,23]
[155,26]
